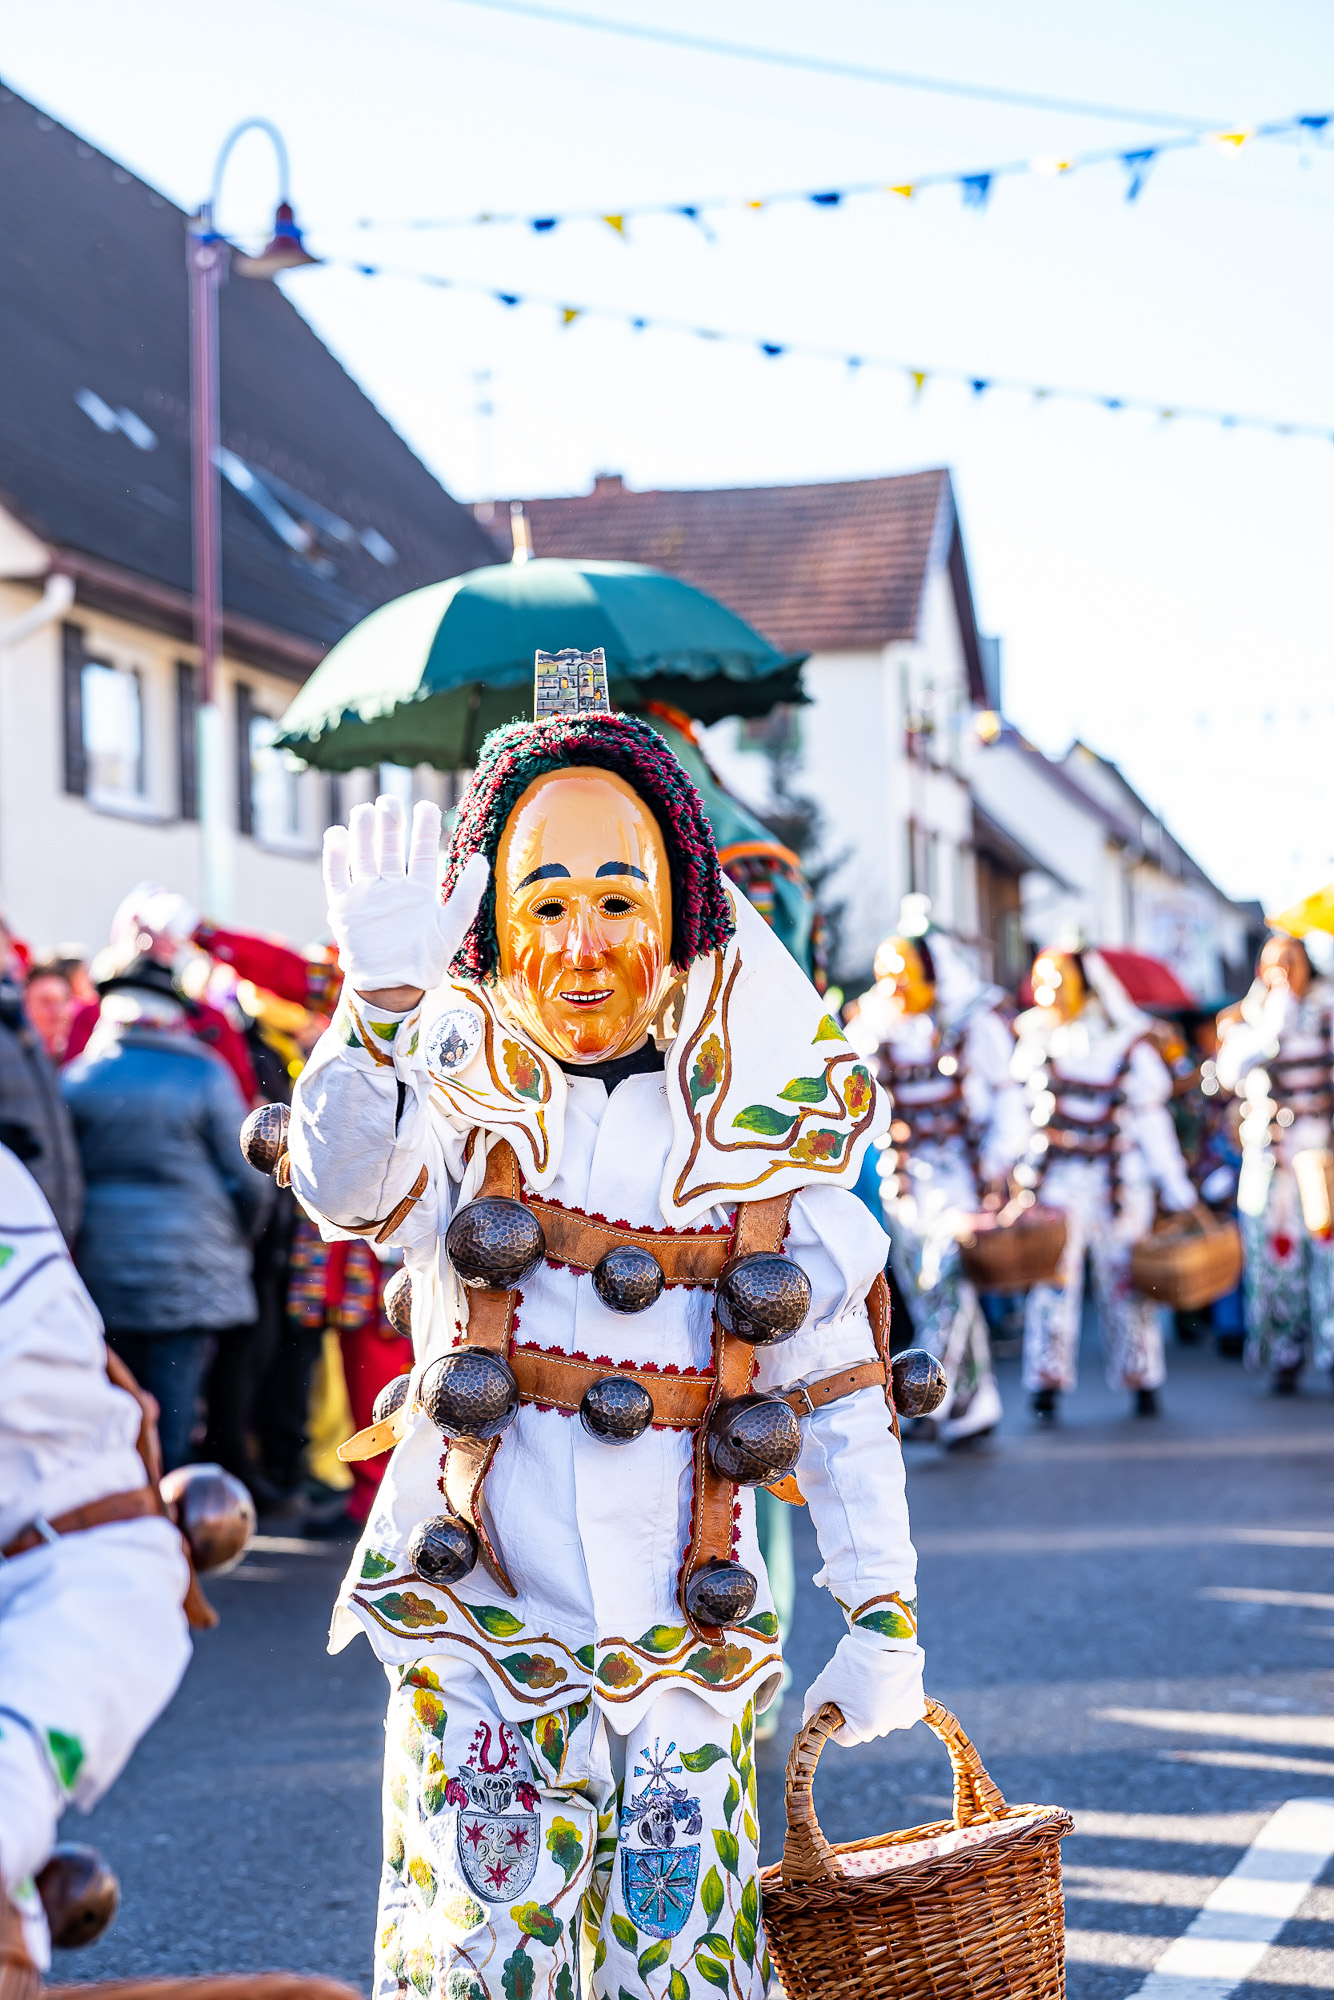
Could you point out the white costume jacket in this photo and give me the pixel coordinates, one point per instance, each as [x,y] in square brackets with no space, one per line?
[761,1095]
[1277,1059]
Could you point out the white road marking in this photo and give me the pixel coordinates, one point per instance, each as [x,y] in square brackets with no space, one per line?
[1092,1541]
[1300,1600]
[1249,1907]
[1314,1732]
[290,1545]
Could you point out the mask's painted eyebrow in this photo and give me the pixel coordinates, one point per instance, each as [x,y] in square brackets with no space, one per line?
[621,868]
[546,873]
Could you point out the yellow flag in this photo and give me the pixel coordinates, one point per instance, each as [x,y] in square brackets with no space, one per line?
[1231,138]
[1313,913]
[918,381]
[905,188]
[616,222]
[754,204]
[569,314]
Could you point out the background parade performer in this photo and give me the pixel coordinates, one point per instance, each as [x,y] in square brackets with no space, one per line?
[1275,1053]
[1103,1145]
[960,1122]
[600,1616]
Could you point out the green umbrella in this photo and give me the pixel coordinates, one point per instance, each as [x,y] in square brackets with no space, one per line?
[424,678]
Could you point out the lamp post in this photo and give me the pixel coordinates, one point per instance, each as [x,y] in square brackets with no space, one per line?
[208,256]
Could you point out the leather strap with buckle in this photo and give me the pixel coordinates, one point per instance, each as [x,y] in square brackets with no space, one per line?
[131,1506]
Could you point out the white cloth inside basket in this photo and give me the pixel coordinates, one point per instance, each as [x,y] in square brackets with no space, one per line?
[900,1854]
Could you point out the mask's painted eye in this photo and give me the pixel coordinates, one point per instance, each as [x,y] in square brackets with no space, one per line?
[548,911]
[616,906]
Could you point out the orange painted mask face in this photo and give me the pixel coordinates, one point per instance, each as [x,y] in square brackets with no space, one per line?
[583,915]
[898,965]
[1283,962]
[1057,984]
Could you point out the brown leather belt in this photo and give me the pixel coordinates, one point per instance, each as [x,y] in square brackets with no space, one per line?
[680,1402]
[696,1257]
[132,1506]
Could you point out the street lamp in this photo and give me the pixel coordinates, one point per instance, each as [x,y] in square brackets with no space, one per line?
[207,255]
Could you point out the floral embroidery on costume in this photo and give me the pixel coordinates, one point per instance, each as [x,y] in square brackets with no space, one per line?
[497,1835]
[658,1878]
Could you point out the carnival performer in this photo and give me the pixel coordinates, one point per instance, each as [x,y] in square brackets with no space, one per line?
[960,1122]
[576,1655]
[1103,1148]
[93,1637]
[1275,1054]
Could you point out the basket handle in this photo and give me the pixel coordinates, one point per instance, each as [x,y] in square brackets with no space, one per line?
[807,1855]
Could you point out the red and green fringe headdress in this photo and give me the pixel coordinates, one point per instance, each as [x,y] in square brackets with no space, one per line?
[510,759]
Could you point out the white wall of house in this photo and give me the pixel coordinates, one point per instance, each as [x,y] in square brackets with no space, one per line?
[66,861]
[1083,891]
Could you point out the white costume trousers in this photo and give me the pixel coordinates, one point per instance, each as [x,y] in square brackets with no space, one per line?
[1132,1338]
[947,1318]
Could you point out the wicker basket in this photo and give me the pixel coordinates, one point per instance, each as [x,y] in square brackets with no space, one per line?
[1314,1168]
[1188,1261]
[984,1922]
[1011,1251]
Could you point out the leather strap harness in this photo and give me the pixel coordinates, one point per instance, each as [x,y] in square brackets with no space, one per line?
[131,1506]
[553,1380]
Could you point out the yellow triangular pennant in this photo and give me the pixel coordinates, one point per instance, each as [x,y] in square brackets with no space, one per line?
[616,222]
[569,314]
[918,381]
[905,188]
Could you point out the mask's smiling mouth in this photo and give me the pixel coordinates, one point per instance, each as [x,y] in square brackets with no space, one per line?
[587,999]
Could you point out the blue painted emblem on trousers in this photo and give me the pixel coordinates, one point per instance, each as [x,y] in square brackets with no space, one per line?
[658,1879]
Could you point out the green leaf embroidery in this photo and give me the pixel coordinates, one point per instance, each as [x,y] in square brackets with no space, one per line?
[599,1956]
[662,1638]
[67,1755]
[828,1031]
[538,1920]
[714,1941]
[624,1932]
[713,1972]
[889,1624]
[434,1786]
[764,1119]
[805,1089]
[656,1955]
[736,1747]
[430,1712]
[386,1030]
[766,1965]
[702,1759]
[500,1624]
[6,1252]
[566,1847]
[750,1903]
[423,1875]
[752,1831]
[405,1607]
[535,1670]
[729,1853]
[765,1623]
[516,1975]
[548,1738]
[586,1656]
[398,1790]
[421,1968]
[394,1850]
[564,1984]
[743,1934]
[708,1070]
[711,1894]
[748,1723]
[373,1564]
[731,1800]
[678,1986]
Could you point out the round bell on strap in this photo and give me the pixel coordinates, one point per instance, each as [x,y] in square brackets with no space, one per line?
[79,1893]
[392,1397]
[264,1137]
[442,1550]
[495,1243]
[628,1279]
[722,1593]
[616,1410]
[754,1440]
[763,1298]
[214,1512]
[919,1382]
[470,1394]
[398,1301]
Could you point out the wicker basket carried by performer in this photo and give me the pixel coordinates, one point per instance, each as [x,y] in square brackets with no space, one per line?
[1187,1261]
[959,1909]
[1018,1247]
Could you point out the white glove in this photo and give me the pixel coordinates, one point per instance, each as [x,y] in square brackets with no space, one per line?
[386,915]
[877,1691]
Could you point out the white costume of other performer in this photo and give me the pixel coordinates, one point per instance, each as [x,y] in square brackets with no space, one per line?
[93,1638]
[514,1720]
[1277,1059]
[949,1079]
[1103,1143]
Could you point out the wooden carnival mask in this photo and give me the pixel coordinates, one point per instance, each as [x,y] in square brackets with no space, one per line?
[1284,963]
[1058,984]
[899,965]
[583,915]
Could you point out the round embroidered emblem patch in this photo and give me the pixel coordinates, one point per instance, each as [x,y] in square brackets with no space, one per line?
[454,1040]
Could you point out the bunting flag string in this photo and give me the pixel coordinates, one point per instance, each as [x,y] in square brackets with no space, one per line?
[918,377]
[975,187]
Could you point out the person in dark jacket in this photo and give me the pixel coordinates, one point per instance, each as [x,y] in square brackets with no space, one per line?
[172,1206]
[34,1123]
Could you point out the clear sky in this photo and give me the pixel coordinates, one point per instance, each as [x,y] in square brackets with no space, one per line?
[1162,588]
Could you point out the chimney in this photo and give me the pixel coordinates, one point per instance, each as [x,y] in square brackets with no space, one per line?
[608,482]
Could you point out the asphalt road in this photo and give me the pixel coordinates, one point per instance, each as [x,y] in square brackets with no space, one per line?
[1133,1619]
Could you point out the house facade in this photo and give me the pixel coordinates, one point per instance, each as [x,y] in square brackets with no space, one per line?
[326,513]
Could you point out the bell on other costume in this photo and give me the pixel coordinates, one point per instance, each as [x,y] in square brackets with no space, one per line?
[392,1397]
[398,1301]
[919,1382]
[470,1394]
[722,1593]
[79,1893]
[264,1137]
[616,1410]
[763,1298]
[495,1243]
[628,1279]
[214,1512]
[443,1550]
[754,1440]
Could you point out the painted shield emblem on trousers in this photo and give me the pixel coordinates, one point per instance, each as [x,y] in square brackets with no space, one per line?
[498,1836]
[659,1877]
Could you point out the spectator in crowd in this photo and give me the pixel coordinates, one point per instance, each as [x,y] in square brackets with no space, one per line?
[51,1004]
[34,1123]
[172,1204]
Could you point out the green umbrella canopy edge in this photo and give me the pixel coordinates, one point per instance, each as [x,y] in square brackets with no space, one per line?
[422,679]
